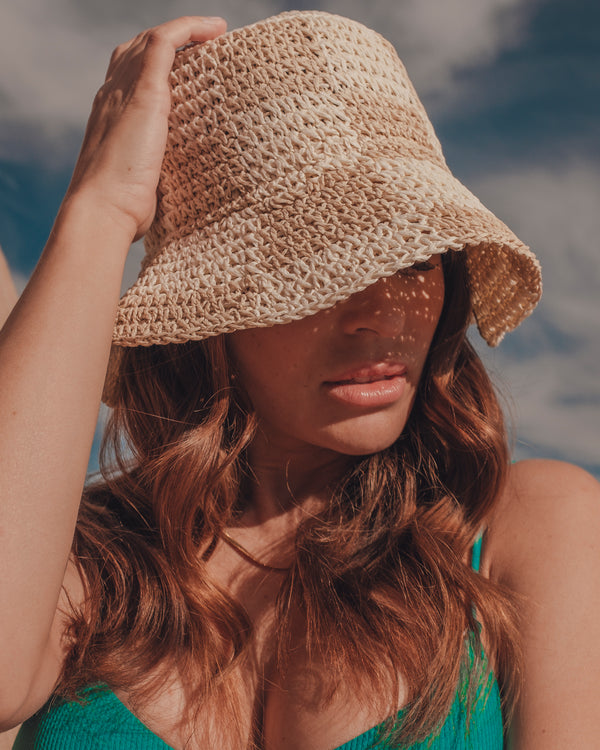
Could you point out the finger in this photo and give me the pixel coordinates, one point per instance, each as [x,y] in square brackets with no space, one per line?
[164,40]
[181,31]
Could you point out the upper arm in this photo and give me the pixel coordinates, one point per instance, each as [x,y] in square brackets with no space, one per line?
[52,659]
[544,543]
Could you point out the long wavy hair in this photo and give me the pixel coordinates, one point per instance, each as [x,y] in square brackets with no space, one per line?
[381,575]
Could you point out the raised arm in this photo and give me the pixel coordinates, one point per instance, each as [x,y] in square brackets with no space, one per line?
[54,349]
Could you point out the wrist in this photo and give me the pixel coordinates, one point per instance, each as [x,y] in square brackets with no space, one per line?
[86,212]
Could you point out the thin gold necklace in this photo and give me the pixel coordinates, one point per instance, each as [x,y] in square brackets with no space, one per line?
[241,550]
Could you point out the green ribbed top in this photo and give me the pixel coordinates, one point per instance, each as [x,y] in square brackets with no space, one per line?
[102,722]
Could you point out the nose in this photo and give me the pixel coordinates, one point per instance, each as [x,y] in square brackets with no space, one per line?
[378,310]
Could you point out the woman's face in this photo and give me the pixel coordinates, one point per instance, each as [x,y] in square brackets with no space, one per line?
[344,379]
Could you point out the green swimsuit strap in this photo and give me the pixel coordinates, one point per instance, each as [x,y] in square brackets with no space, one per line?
[476,551]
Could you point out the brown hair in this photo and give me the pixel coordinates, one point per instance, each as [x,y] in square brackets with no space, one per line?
[387,557]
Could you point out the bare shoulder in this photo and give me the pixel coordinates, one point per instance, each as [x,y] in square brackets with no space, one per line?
[549,513]
[544,544]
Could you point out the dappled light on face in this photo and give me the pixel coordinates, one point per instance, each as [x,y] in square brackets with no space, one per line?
[416,292]
[403,307]
[306,379]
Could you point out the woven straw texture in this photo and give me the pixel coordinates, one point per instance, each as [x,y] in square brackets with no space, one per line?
[300,168]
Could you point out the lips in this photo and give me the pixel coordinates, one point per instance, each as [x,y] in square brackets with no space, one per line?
[370,373]
[371,385]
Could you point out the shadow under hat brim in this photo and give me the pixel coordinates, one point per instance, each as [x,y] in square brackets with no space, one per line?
[288,256]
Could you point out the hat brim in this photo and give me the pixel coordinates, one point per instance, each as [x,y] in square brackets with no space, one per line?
[289,256]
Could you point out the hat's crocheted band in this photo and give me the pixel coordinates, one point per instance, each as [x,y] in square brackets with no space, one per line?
[300,168]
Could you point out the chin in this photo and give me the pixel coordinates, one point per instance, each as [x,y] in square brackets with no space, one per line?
[362,439]
[364,448]
[357,451]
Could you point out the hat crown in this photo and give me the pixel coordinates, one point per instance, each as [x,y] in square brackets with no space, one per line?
[272,110]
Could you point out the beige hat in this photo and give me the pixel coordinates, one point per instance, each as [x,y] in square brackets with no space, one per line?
[300,168]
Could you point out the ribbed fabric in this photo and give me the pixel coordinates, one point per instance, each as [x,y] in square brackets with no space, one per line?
[483,732]
[103,722]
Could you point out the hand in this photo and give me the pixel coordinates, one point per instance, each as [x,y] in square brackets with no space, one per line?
[120,159]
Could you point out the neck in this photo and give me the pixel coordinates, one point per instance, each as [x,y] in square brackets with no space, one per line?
[285,487]
[290,483]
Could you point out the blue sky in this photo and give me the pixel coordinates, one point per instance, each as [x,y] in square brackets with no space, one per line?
[513,89]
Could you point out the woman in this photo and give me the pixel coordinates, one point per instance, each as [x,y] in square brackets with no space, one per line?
[307,449]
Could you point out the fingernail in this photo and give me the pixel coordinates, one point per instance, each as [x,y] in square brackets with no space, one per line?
[213,19]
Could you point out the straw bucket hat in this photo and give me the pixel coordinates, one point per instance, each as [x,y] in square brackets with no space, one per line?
[300,168]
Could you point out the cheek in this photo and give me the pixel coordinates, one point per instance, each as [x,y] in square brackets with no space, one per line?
[427,295]
[257,356]
[422,299]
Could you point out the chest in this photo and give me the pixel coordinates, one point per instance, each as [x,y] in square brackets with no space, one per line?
[265,710]
[260,703]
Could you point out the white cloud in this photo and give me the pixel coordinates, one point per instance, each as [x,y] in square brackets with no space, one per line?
[552,365]
[437,39]
[53,55]
[50,67]
[557,406]
[20,281]
[555,210]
